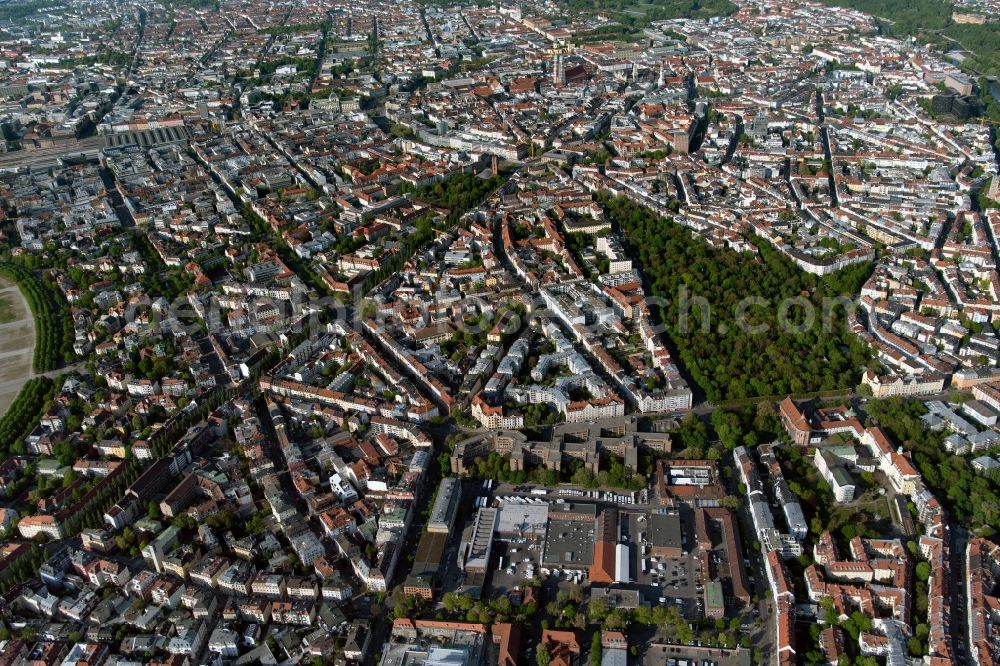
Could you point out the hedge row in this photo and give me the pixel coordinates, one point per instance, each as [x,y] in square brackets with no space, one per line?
[24,413]
[53,329]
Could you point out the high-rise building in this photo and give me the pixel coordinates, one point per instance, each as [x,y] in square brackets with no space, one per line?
[759,125]
[558,69]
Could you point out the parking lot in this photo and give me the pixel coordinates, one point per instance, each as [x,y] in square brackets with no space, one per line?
[567,493]
[672,580]
[517,563]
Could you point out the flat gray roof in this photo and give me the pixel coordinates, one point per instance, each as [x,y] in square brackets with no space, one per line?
[523,519]
[569,543]
[571,508]
[665,530]
[445,504]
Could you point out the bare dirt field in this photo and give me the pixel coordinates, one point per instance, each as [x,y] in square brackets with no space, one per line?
[17,341]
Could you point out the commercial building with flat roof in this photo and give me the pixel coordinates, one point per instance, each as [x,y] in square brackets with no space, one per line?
[478,560]
[715,602]
[529,521]
[569,544]
[572,511]
[623,567]
[445,505]
[664,536]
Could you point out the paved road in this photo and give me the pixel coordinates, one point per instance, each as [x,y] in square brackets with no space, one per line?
[706,408]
